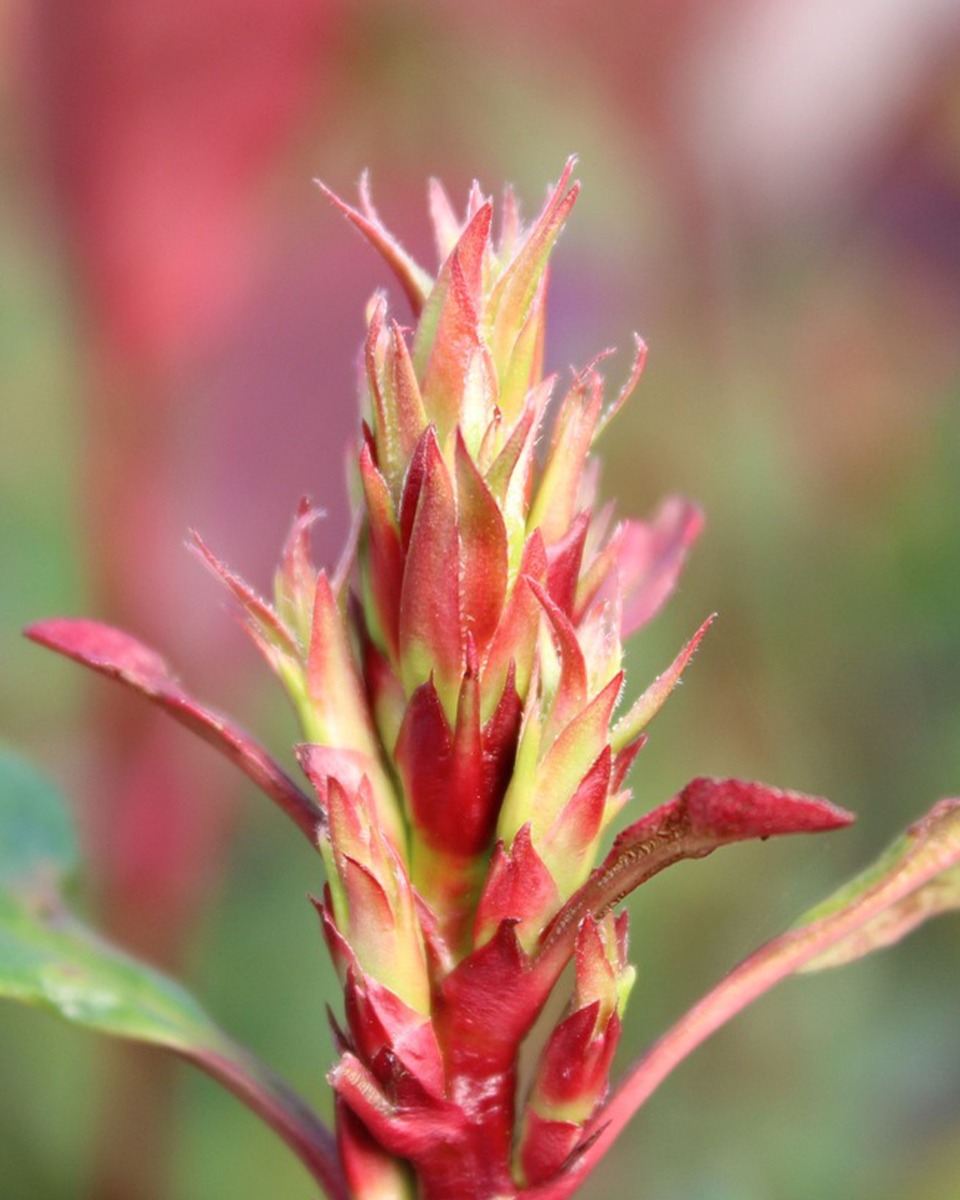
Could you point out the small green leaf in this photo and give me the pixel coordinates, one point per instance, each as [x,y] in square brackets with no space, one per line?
[50,959]
[36,835]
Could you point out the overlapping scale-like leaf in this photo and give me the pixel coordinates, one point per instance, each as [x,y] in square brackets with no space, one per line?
[511,299]
[448,334]
[483,552]
[429,621]
[558,493]
[372,902]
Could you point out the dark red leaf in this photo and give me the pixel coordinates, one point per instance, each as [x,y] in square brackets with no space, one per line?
[546,1146]
[708,813]
[519,889]
[565,558]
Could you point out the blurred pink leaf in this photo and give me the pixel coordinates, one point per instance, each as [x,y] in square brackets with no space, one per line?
[164,121]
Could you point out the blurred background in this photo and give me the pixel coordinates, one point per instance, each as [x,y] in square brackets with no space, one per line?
[772,198]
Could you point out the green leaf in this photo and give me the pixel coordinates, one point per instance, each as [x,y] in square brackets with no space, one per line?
[918,876]
[37,840]
[52,960]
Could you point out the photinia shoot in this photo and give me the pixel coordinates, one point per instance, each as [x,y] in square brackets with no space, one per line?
[465,747]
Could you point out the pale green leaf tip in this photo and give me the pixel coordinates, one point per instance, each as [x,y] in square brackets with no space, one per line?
[917,878]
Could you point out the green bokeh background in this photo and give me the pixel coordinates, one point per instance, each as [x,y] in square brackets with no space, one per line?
[803,385]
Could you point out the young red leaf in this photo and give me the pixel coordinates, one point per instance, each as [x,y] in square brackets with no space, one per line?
[416,283]
[515,457]
[447,226]
[484,1008]
[708,813]
[647,705]
[379,1020]
[120,656]
[569,846]
[523,368]
[423,756]
[570,757]
[448,334]
[295,580]
[575,1067]
[514,293]
[430,625]
[514,647]
[566,557]
[546,1147]
[388,453]
[483,552]
[558,492]
[333,679]
[469,795]
[636,370]
[387,698]
[518,889]
[371,1173]
[413,485]
[400,379]
[268,631]
[570,696]
[384,558]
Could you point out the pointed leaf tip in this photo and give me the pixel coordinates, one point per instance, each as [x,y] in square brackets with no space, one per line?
[732,809]
[705,815]
[647,705]
[416,283]
[636,370]
[263,623]
[104,648]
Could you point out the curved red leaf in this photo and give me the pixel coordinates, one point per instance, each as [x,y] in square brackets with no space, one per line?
[119,656]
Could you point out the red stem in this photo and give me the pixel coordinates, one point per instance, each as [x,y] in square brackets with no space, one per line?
[278,1106]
